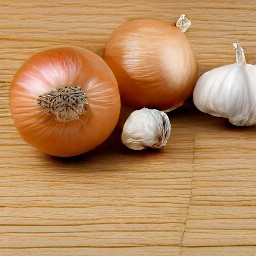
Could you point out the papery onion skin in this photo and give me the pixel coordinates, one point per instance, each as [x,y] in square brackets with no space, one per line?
[153,63]
[55,68]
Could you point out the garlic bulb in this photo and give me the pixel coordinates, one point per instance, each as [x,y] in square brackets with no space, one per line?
[229,91]
[146,128]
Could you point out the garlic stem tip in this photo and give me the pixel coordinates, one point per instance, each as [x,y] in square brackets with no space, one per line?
[240,57]
[236,45]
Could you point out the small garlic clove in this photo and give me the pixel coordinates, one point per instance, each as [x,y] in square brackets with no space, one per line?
[146,128]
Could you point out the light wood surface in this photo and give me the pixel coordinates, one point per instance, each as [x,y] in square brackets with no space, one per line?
[195,197]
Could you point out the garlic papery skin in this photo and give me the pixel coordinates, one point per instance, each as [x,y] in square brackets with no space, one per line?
[229,91]
[146,128]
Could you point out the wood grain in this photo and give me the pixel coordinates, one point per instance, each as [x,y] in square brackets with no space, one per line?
[195,197]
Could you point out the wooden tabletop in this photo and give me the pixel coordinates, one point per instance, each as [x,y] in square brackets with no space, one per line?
[195,197]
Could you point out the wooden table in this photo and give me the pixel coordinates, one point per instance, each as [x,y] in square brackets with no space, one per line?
[195,197]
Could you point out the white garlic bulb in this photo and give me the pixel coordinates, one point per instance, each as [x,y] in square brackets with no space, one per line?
[146,128]
[229,91]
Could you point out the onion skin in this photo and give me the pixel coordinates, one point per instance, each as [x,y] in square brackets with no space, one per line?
[153,63]
[55,68]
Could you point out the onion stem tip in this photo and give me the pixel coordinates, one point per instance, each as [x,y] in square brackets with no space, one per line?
[183,23]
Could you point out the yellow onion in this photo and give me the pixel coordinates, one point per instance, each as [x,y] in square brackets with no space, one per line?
[64,101]
[153,63]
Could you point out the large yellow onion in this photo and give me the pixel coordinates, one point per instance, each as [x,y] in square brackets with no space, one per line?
[153,63]
[64,101]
